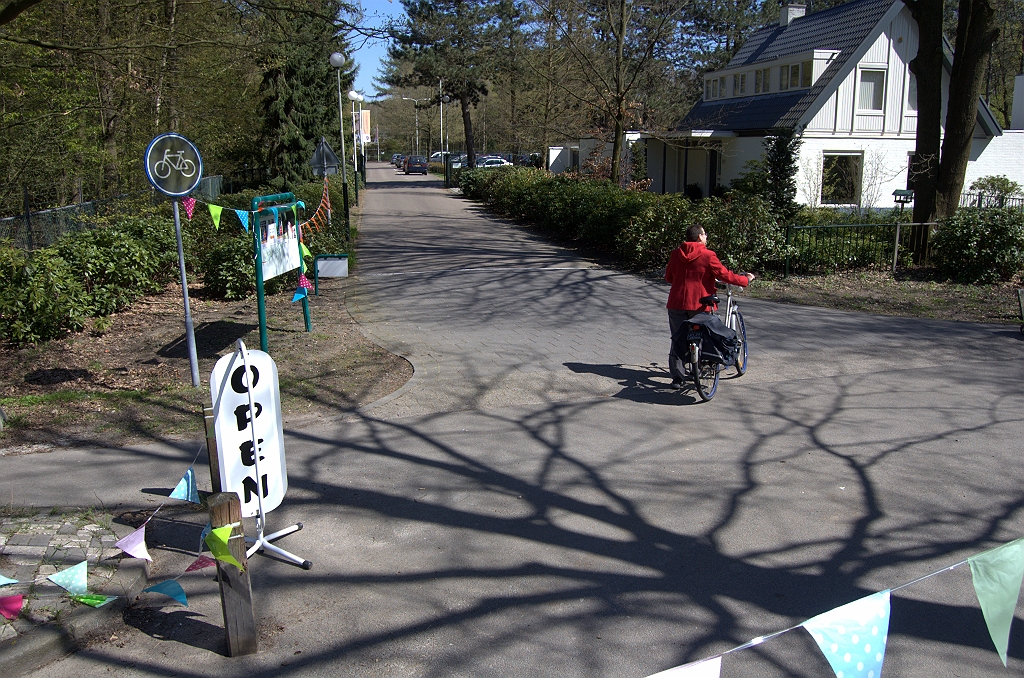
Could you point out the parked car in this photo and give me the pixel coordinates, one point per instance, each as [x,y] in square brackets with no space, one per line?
[458,160]
[438,156]
[489,163]
[397,160]
[415,163]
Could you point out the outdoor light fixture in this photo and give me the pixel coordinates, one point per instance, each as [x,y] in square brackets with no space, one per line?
[337,62]
[416,108]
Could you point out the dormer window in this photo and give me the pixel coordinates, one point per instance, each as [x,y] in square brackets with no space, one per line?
[762,80]
[714,88]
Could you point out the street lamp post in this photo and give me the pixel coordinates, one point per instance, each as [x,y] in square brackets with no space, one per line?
[416,108]
[338,60]
[355,96]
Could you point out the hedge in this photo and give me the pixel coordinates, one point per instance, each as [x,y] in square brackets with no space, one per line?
[639,228]
[96,272]
[980,245]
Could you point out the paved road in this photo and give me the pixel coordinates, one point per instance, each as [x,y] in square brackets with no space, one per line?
[531,503]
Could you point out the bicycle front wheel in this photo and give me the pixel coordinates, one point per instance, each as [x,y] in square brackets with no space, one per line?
[736,323]
[705,378]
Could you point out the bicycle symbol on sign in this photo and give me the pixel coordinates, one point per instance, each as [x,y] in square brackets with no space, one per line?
[162,168]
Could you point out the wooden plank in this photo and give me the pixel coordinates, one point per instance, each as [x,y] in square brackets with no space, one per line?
[235,590]
[211,448]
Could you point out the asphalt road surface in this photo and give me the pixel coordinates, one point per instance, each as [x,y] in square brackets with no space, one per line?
[534,502]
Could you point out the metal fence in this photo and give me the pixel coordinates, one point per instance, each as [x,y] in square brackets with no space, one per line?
[843,247]
[36,230]
[990,200]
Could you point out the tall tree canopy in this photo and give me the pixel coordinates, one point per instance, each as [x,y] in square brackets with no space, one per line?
[446,44]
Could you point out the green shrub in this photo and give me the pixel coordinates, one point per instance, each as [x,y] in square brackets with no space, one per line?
[120,263]
[980,245]
[40,298]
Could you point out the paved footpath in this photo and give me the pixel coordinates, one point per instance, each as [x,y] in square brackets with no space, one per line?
[534,503]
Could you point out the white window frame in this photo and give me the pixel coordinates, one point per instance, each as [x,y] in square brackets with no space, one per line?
[861,108]
[858,180]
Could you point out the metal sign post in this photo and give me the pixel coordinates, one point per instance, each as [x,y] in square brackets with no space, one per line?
[174,167]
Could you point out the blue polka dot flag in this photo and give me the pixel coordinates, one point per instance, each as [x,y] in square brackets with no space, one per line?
[852,637]
[74,580]
[244,218]
[186,489]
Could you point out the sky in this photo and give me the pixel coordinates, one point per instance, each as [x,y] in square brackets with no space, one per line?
[370,54]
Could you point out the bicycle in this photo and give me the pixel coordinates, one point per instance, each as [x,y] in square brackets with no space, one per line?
[173,161]
[733,319]
[706,372]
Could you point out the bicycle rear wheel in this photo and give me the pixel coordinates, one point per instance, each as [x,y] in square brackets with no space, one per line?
[736,323]
[705,378]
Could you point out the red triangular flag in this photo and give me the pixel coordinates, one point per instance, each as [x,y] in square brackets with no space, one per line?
[190,204]
[200,563]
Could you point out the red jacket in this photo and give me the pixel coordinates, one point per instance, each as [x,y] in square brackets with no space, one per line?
[692,270]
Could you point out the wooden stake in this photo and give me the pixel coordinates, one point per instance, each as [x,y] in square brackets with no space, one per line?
[211,448]
[235,590]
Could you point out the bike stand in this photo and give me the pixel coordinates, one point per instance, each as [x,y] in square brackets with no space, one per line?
[262,542]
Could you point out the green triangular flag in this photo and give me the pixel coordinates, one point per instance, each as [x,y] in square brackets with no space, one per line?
[217,540]
[997,576]
[304,250]
[93,599]
[215,211]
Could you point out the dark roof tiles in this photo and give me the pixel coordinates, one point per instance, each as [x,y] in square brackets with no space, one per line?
[843,28]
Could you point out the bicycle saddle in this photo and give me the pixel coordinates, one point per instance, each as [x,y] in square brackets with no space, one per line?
[710,300]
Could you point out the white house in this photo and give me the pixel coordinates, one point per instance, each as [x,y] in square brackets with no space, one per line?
[842,76]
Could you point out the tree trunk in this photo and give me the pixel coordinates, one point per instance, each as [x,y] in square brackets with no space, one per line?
[620,89]
[110,115]
[467,124]
[975,33]
[927,68]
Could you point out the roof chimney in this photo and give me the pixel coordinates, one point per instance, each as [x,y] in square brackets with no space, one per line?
[1017,112]
[791,9]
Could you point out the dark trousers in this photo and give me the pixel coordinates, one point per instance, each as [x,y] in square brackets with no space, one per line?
[676,319]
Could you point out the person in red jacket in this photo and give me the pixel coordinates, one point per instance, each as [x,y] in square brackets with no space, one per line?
[692,270]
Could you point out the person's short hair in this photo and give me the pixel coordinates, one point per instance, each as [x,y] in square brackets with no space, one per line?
[693,233]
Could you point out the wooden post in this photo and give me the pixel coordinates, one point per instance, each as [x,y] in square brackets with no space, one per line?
[235,590]
[211,448]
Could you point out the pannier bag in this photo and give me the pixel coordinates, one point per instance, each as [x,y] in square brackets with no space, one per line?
[718,342]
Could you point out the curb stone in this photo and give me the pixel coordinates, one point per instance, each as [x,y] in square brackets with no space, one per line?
[47,643]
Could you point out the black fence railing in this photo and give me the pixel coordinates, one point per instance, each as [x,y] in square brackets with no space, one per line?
[988,200]
[844,247]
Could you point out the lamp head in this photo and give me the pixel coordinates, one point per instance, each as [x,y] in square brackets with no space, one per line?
[337,60]
[354,95]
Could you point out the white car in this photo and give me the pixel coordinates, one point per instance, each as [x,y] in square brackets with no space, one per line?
[494,162]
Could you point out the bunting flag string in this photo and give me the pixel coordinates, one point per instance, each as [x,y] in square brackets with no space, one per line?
[10,606]
[853,637]
[997,576]
[215,211]
[186,489]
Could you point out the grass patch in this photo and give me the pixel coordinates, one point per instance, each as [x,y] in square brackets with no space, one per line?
[909,294]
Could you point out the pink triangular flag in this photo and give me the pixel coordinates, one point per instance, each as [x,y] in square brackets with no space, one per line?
[10,606]
[200,563]
[304,281]
[135,544]
[190,204]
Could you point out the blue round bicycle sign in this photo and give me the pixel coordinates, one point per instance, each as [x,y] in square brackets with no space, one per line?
[173,164]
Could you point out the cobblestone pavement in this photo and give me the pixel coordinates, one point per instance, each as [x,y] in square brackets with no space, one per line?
[33,547]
